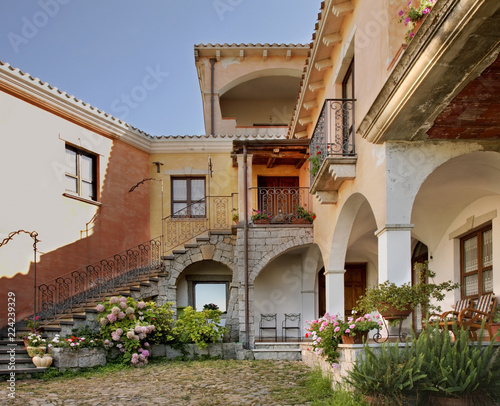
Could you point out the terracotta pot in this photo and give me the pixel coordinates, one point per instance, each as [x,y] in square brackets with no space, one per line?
[359,338]
[443,401]
[393,313]
[494,329]
[262,221]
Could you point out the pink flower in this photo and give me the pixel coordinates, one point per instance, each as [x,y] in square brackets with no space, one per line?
[426,10]
[141,305]
[337,329]
[113,300]
[352,326]
[347,330]
[335,365]
[401,12]
[111,317]
[411,34]
[407,20]
[145,353]
[121,315]
[99,308]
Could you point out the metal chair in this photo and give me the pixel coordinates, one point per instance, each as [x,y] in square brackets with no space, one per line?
[291,322]
[268,322]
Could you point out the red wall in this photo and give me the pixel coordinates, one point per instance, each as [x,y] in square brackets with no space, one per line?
[122,222]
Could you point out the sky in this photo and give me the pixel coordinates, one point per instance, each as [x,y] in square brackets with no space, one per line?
[134,59]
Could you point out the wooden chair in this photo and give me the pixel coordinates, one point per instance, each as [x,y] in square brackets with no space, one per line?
[472,318]
[450,316]
[291,322]
[469,315]
[268,322]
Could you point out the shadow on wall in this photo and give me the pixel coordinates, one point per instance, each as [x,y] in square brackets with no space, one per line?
[122,222]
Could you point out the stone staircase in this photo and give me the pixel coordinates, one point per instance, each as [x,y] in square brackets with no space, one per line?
[289,351]
[15,358]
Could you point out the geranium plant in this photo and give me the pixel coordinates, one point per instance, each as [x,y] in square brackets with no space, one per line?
[260,215]
[32,323]
[303,213]
[210,306]
[327,332]
[410,15]
[35,340]
[315,159]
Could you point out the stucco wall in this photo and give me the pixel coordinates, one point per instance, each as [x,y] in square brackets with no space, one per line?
[32,163]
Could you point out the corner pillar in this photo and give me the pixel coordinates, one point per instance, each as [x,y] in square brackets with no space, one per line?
[335,291]
[394,253]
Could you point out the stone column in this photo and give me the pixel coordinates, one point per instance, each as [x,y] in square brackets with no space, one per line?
[335,291]
[308,308]
[394,253]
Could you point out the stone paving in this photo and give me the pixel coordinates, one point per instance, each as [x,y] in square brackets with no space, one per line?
[197,383]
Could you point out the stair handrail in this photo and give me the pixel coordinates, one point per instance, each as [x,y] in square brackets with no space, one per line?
[182,226]
[73,289]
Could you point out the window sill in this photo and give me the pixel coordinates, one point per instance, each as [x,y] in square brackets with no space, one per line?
[82,199]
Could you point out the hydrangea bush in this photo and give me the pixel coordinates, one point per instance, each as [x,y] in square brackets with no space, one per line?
[127,324]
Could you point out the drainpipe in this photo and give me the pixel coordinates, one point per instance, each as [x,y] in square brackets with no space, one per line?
[212,69]
[245,244]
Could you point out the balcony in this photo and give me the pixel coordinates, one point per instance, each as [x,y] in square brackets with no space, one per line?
[332,151]
[282,205]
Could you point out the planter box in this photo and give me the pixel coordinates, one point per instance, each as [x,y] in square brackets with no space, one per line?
[65,358]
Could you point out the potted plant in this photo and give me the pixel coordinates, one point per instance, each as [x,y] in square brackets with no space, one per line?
[32,323]
[495,325]
[260,216]
[305,215]
[393,301]
[355,330]
[36,344]
[236,216]
[413,16]
[316,161]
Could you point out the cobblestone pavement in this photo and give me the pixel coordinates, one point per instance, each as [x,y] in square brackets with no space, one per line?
[197,383]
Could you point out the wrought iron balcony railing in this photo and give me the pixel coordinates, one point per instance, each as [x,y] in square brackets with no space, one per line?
[73,290]
[334,133]
[282,204]
[213,213]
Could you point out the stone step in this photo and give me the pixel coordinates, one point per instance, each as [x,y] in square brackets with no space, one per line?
[191,245]
[220,232]
[18,371]
[179,252]
[202,239]
[278,354]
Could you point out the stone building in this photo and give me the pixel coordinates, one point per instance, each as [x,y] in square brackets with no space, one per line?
[394,146]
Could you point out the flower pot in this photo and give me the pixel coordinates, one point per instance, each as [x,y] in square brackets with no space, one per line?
[359,338]
[444,401]
[42,362]
[261,221]
[494,329]
[32,351]
[393,313]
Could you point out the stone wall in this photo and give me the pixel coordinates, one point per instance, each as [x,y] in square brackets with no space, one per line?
[348,354]
[66,358]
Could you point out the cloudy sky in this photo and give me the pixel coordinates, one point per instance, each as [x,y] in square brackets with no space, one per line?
[134,59]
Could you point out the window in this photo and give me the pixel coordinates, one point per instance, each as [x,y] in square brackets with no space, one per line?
[476,271]
[210,292]
[81,174]
[188,197]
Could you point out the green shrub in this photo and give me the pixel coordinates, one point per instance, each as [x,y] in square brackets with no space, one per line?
[390,374]
[200,328]
[459,368]
[432,364]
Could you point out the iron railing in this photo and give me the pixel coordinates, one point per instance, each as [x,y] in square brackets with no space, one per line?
[213,213]
[75,289]
[282,204]
[334,133]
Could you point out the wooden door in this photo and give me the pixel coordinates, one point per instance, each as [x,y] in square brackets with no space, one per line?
[321,292]
[354,285]
[278,194]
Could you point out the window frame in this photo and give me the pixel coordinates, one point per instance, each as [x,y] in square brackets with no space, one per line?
[79,176]
[188,200]
[481,269]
